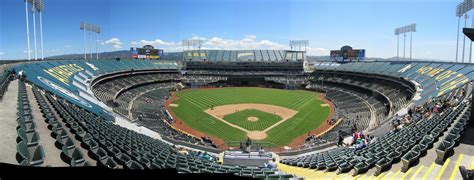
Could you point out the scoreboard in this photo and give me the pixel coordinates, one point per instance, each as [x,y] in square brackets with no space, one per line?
[351,54]
[146,52]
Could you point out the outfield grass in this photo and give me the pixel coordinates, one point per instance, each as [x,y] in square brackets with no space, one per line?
[265,120]
[192,104]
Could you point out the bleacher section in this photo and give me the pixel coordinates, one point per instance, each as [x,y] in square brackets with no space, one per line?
[405,146]
[123,90]
[86,139]
[434,78]
[72,79]
[140,98]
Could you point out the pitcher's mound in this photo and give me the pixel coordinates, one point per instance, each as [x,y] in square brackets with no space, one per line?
[252,118]
[257,135]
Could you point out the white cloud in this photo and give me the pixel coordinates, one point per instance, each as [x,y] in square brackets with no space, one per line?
[26,51]
[156,42]
[248,42]
[67,46]
[218,43]
[2,53]
[115,42]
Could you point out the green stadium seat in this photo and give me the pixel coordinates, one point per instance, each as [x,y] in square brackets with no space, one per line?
[409,159]
[33,156]
[31,138]
[134,165]
[79,163]
[99,154]
[360,168]
[72,153]
[443,150]
[107,162]
[344,167]
[382,165]
[28,127]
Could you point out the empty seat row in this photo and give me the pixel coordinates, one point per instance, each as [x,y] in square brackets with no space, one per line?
[29,150]
[71,154]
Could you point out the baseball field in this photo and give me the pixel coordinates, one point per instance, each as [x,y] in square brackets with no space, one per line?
[263,114]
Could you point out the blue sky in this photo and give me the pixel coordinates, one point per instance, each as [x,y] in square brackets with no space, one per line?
[232,24]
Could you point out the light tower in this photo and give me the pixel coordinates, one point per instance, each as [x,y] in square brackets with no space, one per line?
[299,44]
[403,30]
[27,31]
[461,10]
[39,7]
[192,43]
[86,27]
[36,6]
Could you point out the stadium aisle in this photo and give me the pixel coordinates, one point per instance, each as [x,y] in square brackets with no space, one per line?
[8,120]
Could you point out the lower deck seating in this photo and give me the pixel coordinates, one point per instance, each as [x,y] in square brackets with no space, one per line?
[113,145]
[406,145]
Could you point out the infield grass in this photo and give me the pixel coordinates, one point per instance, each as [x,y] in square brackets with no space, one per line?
[240,118]
[193,102]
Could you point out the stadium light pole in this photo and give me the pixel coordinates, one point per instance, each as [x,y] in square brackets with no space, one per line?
[464,38]
[457,39]
[90,43]
[299,44]
[398,46]
[27,31]
[461,10]
[83,28]
[403,30]
[470,46]
[97,46]
[411,43]
[404,39]
[97,42]
[86,27]
[40,10]
[34,30]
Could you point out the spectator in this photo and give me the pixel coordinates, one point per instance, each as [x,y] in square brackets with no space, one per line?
[261,151]
[183,151]
[271,164]
[206,156]
[199,154]
[340,141]
[248,144]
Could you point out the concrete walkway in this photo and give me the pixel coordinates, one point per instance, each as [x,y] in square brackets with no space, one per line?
[8,123]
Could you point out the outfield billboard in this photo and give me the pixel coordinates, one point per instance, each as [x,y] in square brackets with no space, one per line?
[146,52]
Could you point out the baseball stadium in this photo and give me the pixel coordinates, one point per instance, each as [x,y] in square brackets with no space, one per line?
[238,113]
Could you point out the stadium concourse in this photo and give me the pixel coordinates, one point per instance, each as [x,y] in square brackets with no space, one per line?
[400,119]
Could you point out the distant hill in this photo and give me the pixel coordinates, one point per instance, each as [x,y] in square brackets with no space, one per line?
[123,54]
